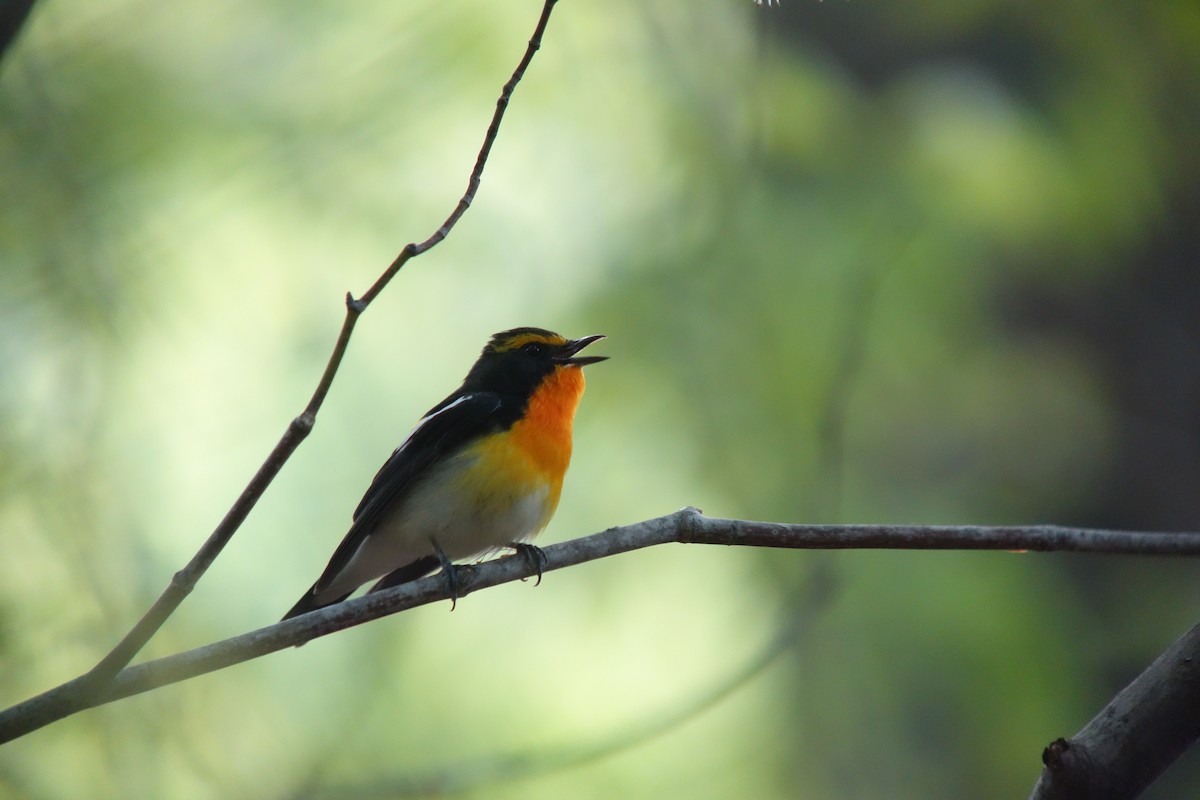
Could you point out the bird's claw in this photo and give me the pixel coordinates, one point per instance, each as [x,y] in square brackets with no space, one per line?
[534,556]
[449,572]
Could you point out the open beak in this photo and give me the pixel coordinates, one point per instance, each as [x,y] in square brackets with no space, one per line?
[567,354]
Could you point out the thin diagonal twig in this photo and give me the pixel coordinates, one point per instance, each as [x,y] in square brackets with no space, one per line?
[185,579]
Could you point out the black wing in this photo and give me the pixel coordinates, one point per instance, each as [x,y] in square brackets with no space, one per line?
[447,426]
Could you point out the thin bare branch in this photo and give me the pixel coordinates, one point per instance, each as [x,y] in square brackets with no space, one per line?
[185,579]
[687,526]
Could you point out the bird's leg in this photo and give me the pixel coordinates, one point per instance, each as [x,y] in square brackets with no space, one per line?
[534,556]
[448,570]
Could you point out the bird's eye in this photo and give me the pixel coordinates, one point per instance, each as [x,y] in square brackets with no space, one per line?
[532,349]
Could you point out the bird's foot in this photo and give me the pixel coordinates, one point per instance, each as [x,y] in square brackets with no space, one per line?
[449,572]
[534,556]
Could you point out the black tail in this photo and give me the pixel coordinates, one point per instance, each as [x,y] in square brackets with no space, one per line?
[308,602]
[409,572]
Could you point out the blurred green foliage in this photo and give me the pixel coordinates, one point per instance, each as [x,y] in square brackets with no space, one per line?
[857,262]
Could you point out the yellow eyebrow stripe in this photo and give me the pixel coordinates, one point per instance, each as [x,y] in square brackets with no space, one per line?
[525,338]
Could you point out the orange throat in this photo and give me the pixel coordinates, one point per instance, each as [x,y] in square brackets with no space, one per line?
[531,458]
[544,433]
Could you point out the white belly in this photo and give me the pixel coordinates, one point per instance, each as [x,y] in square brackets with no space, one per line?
[463,523]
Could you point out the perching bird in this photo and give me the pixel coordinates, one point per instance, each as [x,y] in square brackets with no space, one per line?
[482,470]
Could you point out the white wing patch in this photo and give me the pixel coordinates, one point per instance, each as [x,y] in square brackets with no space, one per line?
[421,422]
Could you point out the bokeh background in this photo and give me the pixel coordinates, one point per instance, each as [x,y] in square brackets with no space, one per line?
[858,262]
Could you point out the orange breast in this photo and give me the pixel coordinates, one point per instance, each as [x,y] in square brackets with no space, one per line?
[534,454]
[544,433]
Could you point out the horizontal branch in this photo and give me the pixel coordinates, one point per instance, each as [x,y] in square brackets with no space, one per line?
[687,526]
[1040,538]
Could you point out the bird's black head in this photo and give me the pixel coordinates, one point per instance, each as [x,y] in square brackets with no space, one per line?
[515,362]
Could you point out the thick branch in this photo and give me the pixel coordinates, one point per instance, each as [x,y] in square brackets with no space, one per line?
[1135,737]
[686,526]
[13,15]
[185,580]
